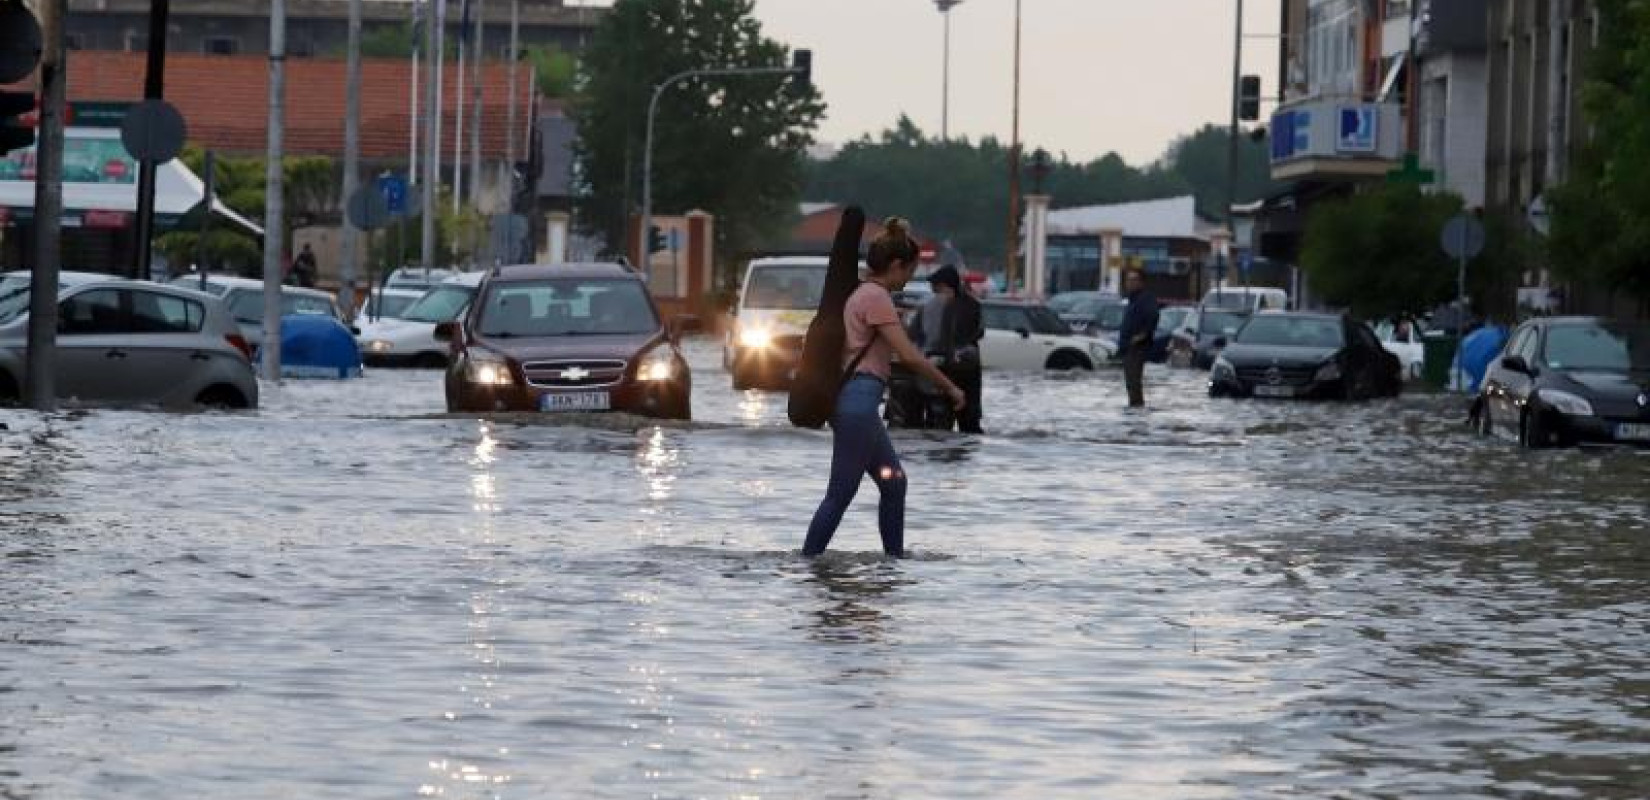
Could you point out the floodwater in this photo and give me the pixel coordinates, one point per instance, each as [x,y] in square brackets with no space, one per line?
[349,594]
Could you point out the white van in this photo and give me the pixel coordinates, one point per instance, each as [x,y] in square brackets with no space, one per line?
[1249,299]
[776,304]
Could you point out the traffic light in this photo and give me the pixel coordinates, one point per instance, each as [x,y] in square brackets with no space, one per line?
[1249,97]
[655,240]
[14,135]
[802,69]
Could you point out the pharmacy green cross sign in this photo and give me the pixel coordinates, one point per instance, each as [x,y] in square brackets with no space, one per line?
[1411,173]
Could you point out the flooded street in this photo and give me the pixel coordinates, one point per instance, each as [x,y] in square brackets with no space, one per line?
[350,594]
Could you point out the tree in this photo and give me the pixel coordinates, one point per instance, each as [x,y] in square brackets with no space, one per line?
[310,190]
[1601,216]
[1200,161]
[554,70]
[733,146]
[1377,253]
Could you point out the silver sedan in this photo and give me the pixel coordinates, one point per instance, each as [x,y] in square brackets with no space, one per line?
[133,343]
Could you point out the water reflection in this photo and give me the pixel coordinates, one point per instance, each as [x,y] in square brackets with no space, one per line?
[854,589]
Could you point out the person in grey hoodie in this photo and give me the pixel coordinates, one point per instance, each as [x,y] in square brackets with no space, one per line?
[949,328]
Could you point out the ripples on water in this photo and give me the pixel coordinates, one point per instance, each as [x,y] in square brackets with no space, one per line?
[349,594]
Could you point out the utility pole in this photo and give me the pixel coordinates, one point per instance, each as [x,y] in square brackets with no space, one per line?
[1232,132]
[154,88]
[352,152]
[1014,167]
[478,59]
[945,7]
[414,122]
[509,170]
[39,378]
[274,214]
[458,112]
[432,134]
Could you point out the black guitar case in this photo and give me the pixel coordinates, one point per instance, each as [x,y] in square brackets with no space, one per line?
[819,375]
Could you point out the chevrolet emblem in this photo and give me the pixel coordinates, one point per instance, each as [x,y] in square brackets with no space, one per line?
[575,374]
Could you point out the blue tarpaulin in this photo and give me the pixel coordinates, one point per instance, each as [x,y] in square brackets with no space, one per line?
[318,346]
[1478,351]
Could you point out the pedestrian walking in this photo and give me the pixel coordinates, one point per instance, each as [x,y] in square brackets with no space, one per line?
[860,443]
[1134,339]
[304,269]
[949,328]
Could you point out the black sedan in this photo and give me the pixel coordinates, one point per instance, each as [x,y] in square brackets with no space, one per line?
[1300,355]
[1569,380]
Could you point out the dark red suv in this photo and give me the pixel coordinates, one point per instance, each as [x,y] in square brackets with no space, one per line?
[567,338]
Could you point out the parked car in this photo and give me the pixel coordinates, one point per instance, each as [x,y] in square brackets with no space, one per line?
[1248,299]
[418,279]
[1283,354]
[1071,306]
[245,300]
[1169,319]
[1028,336]
[388,304]
[1405,339]
[410,341]
[1101,317]
[568,338]
[1200,337]
[1568,380]
[14,289]
[136,343]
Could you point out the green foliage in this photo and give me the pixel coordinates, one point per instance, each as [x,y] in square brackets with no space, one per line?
[1601,216]
[310,189]
[1378,254]
[386,41]
[732,146]
[554,70]
[458,239]
[957,190]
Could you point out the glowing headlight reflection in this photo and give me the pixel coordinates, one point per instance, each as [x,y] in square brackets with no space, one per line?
[380,346]
[755,338]
[488,373]
[658,368]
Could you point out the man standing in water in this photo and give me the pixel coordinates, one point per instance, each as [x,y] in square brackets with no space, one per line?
[1134,340]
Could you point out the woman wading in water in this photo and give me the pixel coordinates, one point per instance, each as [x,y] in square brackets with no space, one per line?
[861,445]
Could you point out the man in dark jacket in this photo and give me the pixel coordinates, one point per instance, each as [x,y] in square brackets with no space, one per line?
[949,328]
[1134,339]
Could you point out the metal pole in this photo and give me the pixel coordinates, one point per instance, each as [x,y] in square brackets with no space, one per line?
[154,85]
[945,85]
[509,170]
[352,153]
[432,133]
[478,59]
[1014,166]
[40,373]
[210,181]
[274,220]
[1232,132]
[458,117]
[413,120]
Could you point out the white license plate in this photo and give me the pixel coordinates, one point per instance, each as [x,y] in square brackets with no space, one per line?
[1633,433]
[1274,391]
[576,401]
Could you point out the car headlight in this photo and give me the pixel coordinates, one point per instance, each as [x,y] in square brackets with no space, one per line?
[488,372]
[657,366]
[755,338]
[380,346]
[1566,403]
[1330,371]
[1222,369]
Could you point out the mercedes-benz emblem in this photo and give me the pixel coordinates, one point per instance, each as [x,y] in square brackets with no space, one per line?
[1274,376]
[1644,400]
[575,374]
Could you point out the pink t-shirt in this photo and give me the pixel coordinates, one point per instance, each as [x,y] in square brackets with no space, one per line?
[869,307]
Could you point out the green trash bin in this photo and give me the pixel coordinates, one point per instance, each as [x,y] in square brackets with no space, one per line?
[1440,358]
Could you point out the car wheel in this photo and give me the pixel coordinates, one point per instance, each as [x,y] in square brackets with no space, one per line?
[1481,419]
[9,393]
[221,398]
[430,361]
[1066,361]
[1532,430]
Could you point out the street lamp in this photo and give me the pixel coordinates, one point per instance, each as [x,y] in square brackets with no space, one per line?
[945,7]
[1041,166]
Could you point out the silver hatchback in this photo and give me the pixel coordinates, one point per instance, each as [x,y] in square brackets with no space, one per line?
[134,343]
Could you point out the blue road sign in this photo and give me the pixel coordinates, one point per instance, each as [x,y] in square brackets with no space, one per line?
[673,240]
[1246,261]
[394,189]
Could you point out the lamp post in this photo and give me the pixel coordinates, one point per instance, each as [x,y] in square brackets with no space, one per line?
[1012,261]
[945,7]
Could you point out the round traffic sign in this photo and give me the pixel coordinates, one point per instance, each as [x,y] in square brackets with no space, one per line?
[21,44]
[1463,237]
[153,131]
[367,209]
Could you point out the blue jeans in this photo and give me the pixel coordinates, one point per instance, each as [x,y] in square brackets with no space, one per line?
[861,447]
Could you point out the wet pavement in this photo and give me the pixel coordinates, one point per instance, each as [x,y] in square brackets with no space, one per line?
[350,594]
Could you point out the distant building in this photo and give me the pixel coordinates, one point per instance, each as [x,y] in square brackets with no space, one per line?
[314,27]
[1167,239]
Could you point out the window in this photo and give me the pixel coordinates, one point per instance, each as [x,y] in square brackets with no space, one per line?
[160,313]
[786,288]
[1524,345]
[440,305]
[137,43]
[567,307]
[1005,318]
[221,45]
[91,314]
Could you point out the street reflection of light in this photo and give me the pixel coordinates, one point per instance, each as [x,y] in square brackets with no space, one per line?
[657,462]
[753,406]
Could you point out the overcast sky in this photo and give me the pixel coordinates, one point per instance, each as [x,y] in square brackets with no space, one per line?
[1098,75]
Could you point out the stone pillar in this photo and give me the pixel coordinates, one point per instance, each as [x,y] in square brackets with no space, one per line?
[1111,260]
[1220,245]
[557,227]
[1037,245]
[700,262]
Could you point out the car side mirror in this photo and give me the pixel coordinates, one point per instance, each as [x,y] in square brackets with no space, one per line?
[446,331]
[1219,343]
[1024,334]
[1516,364]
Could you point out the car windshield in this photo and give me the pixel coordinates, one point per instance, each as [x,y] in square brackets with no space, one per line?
[1292,332]
[568,307]
[248,307]
[792,288]
[1171,318]
[440,305]
[1608,347]
[14,297]
[1107,315]
[393,306]
[1220,323]
[1047,322]
[1229,300]
[1072,302]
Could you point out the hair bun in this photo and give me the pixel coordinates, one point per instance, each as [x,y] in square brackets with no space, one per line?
[896,228]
